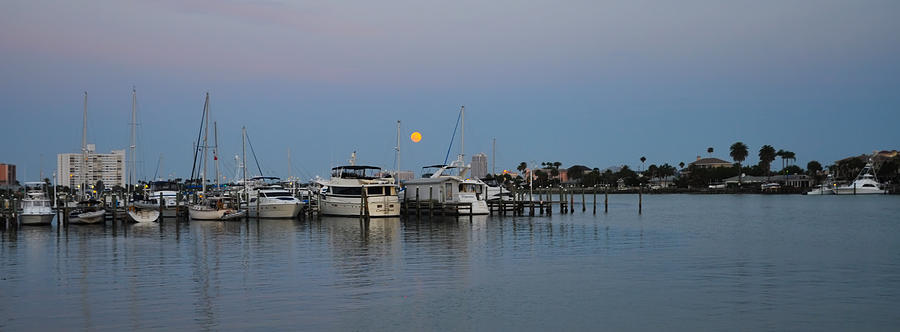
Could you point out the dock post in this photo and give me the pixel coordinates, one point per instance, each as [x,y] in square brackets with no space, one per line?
[115,203]
[572,202]
[606,200]
[430,201]
[640,199]
[66,211]
[162,205]
[594,192]
[583,205]
[549,200]
[854,188]
[417,203]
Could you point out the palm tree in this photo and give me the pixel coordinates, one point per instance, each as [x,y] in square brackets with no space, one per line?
[739,154]
[681,165]
[813,168]
[766,156]
[522,167]
[643,159]
[709,150]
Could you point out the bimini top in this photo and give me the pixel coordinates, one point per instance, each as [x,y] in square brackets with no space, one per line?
[353,172]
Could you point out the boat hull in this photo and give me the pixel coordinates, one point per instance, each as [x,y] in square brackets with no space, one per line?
[93,217]
[36,219]
[210,214]
[143,215]
[859,191]
[378,207]
[276,210]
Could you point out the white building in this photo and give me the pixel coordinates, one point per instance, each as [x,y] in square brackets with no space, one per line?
[109,167]
[479,166]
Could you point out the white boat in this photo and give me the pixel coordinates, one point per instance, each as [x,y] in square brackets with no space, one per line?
[271,201]
[142,215]
[826,188]
[865,183]
[137,211]
[353,192]
[168,190]
[87,212]
[215,208]
[36,207]
[447,190]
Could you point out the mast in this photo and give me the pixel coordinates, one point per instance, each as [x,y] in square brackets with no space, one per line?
[205,140]
[289,164]
[216,151]
[244,154]
[84,149]
[462,136]
[398,150]
[494,158]
[133,124]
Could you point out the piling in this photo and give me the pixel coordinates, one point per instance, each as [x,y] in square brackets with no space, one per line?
[606,200]
[640,199]
[430,201]
[571,203]
[583,206]
[417,203]
[115,209]
[594,192]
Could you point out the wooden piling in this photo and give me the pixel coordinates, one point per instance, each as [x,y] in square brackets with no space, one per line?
[594,192]
[430,201]
[640,199]
[417,203]
[606,200]
[583,206]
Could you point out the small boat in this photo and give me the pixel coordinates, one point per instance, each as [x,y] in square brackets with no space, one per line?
[168,190]
[215,208]
[36,207]
[826,188]
[865,183]
[87,212]
[142,213]
[271,201]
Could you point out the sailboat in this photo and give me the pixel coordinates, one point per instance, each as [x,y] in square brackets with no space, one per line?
[139,212]
[212,206]
[87,211]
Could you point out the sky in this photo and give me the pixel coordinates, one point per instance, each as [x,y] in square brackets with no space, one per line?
[597,83]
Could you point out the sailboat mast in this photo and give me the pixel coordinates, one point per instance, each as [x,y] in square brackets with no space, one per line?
[398,150]
[244,155]
[133,124]
[216,151]
[462,136]
[494,157]
[84,149]
[205,142]
[289,164]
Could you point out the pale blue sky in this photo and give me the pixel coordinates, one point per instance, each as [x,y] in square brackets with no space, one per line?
[589,82]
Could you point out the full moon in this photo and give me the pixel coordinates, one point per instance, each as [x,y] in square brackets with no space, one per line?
[415,137]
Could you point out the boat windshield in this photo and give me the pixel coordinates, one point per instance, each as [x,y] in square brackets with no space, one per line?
[276,194]
[354,172]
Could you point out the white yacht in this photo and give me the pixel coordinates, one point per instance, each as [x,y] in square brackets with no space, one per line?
[353,192]
[826,188]
[169,192]
[269,200]
[865,183]
[36,207]
[451,190]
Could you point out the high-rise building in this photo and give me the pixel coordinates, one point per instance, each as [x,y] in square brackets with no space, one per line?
[109,167]
[479,166]
[7,175]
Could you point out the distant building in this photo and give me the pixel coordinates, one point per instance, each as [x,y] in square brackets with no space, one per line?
[479,166]
[7,175]
[109,167]
[710,163]
[791,180]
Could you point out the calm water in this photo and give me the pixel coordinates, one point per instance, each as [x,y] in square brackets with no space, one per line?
[690,262]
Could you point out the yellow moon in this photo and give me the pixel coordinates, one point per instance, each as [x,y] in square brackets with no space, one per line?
[415,137]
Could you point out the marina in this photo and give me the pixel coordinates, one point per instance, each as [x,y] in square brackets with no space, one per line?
[728,260]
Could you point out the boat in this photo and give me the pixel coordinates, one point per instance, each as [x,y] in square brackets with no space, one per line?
[825,188]
[865,183]
[212,205]
[353,191]
[36,207]
[138,211]
[168,192]
[270,200]
[88,210]
[454,194]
